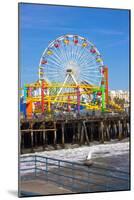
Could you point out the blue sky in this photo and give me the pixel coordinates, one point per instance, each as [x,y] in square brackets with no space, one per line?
[108,29]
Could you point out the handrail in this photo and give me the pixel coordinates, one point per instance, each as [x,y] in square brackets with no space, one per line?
[78,172]
[75,163]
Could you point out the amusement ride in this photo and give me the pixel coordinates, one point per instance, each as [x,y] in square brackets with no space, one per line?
[72,77]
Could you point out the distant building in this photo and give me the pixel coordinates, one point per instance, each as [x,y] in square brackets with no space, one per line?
[119,94]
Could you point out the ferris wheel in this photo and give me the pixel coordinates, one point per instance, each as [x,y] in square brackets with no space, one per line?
[72,54]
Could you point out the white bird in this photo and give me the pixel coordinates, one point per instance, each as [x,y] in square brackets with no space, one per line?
[88,160]
[89,155]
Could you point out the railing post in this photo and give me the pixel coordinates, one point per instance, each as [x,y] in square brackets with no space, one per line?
[35,165]
[59,172]
[72,177]
[88,189]
[47,169]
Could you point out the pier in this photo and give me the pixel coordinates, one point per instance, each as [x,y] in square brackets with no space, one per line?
[40,134]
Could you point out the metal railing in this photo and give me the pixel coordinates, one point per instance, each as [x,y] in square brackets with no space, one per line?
[74,176]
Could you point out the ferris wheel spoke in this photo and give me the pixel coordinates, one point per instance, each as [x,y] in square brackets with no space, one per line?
[76,52]
[59,55]
[72,51]
[66,50]
[69,47]
[88,64]
[88,81]
[55,59]
[94,76]
[79,53]
[89,67]
[50,72]
[86,53]
[52,60]
[86,57]
[65,54]
[52,63]
[91,72]
[62,51]
[94,82]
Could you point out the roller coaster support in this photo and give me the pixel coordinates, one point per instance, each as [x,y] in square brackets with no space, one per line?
[42,96]
[103,98]
[78,99]
[106,84]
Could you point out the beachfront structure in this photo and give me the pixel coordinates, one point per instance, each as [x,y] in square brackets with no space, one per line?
[72,76]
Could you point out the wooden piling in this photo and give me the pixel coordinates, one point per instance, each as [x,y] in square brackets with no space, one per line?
[22,142]
[86,134]
[63,132]
[124,128]
[128,129]
[55,135]
[119,130]
[108,131]
[74,133]
[101,130]
[82,135]
[32,141]
[115,130]
[79,130]
[44,139]
[91,130]
[35,139]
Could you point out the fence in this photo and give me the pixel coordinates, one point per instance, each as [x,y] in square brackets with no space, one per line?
[73,176]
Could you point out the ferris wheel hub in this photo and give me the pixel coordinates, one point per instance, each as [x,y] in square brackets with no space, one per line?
[69,71]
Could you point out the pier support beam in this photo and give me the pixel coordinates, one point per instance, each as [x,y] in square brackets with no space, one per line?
[32,142]
[82,135]
[119,130]
[44,139]
[86,134]
[128,129]
[108,131]
[55,135]
[101,132]
[124,129]
[36,138]
[22,142]
[78,134]
[63,133]
[74,133]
